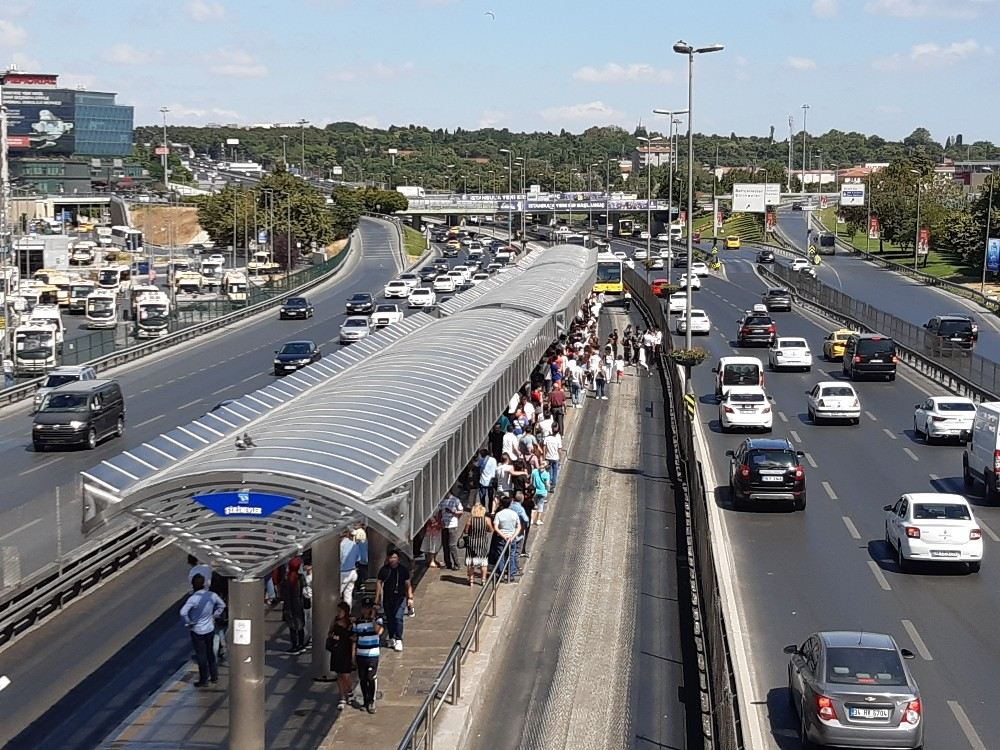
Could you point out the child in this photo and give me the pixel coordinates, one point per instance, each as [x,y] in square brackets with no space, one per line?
[619,369]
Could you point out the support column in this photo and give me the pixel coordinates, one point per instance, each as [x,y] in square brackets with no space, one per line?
[326,594]
[416,220]
[247,716]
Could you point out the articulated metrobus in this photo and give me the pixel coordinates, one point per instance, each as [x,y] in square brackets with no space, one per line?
[609,274]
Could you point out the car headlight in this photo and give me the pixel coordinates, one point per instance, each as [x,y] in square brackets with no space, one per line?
[77,425]
[302,361]
[277,361]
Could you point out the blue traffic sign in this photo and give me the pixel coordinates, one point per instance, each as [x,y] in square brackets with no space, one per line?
[993,254]
[243,504]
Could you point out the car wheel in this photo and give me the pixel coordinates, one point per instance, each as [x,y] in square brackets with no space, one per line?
[120,427]
[891,378]
[916,430]
[927,434]
[974,566]
[277,373]
[808,368]
[800,504]
[990,487]
[39,447]
[967,479]
[91,438]
[901,562]
[856,421]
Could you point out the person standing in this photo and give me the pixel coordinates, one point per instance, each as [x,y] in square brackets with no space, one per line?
[600,384]
[510,441]
[487,473]
[394,593]
[450,510]
[199,569]
[508,528]
[199,613]
[553,454]
[478,533]
[367,634]
[540,483]
[557,404]
[628,303]
[293,605]
[340,644]
[643,361]
[350,554]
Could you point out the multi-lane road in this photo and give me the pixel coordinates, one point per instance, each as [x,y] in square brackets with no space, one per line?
[828,567]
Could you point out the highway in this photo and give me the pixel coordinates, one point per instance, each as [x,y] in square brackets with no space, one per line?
[827,567]
[889,291]
[163,392]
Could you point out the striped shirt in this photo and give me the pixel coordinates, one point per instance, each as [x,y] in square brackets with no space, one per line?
[367,637]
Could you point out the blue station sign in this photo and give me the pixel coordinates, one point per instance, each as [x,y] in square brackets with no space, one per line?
[243,504]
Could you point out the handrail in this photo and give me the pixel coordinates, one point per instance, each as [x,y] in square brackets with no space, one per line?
[448,683]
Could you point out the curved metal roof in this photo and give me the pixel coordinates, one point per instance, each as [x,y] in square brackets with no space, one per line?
[380,429]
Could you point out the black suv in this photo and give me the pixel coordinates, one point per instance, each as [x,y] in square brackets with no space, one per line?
[777,299]
[766,469]
[870,354]
[950,332]
[362,302]
[756,329]
[295,307]
[765,256]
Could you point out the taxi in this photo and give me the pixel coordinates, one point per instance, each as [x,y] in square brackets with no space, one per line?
[659,287]
[733,242]
[834,343]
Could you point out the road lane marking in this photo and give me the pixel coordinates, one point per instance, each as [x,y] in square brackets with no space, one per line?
[217,391]
[829,491]
[967,729]
[871,416]
[150,420]
[989,532]
[795,436]
[782,417]
[852,529]
[911,631]
[879,575]
[889,433]
[23,527]
[911,454]
[189,403]
[811,461]
[40,466]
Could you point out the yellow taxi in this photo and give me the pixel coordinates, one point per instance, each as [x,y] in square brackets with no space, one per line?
[833,344]
[732,242]
[455,244]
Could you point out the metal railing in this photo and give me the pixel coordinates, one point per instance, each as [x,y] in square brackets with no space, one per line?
[959,368]
[447,686]
[720,703]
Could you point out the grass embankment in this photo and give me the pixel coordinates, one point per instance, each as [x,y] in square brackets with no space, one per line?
[943,264]
[745,226]
[414,242]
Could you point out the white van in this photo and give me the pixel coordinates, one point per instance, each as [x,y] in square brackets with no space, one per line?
[981,458]
[737,371]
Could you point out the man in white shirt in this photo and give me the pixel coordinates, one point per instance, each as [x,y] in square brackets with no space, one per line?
[553,454]
[510,443]
[545,424]
[450,510]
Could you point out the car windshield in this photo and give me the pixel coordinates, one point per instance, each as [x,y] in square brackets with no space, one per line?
[397,283]
[360,298]
[777,293]
[793,344]
[746,398]
[875,347]
[54,381]
[355,323]
[955,406]
[772,459]
[757,320]
[300,348]
[296,302]
[837,390]
[385,308]
[741,374]
[66,402]
[864,666]
[941,512]
[951,327]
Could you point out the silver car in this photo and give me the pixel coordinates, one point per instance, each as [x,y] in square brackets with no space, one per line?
[853,689]
[60,376]
[355,328]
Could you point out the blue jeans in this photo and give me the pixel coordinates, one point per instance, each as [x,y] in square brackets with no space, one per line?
[515,548]
[553,473]
[575,392]
[601,388]
[395,614]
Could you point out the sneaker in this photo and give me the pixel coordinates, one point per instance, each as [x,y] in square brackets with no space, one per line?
[370,708]
[605,398]
[201,684]
[390,643]
[342,704]
[397,646]
[540,522]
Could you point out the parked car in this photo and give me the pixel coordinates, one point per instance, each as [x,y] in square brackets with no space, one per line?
[766,469]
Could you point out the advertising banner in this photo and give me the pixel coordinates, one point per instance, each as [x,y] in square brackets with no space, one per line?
[45,117]
[682,219]
[770,221]
[873,228]
[993,255]
[924,241]
[823,201]
[852,194]
[18,141]
[338,171]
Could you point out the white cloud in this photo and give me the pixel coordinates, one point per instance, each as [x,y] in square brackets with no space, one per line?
[491,118]
[11,35]
[591,113]
[184,112]
[379,71]
[964,9]
[126,54]
[25,62]
[618,73]
[824,8]
[888,109]
[201,10]
[237,64]
[932,53]
[801,63]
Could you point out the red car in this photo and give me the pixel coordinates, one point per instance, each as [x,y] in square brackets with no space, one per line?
[659,286]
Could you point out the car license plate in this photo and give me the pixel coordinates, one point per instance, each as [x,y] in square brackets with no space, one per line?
[868,713]
[944,553]
[772,479]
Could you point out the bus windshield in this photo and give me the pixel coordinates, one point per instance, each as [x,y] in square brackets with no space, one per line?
[609,272]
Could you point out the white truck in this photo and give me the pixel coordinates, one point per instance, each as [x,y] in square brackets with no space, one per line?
[411,191]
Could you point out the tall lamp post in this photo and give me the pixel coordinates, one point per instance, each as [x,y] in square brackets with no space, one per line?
[510,189]
[989,213]
[524,192]
[670,189]
[302,125]
[649,200]
[166,149]
[916,235]
[805,111]
[683,48]
[590,189]
[607,193]
[284,150]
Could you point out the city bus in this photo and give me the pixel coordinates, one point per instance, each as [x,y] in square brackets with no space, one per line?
[609,275]
[127,239]
[625,227]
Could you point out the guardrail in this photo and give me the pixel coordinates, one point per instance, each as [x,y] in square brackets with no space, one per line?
[94,350]
[722,720]
[447,686]
[959,370]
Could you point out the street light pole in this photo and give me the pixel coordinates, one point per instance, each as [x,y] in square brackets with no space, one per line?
[510,189]
[916,236]
[166,176]
[670,187]
[590,189]
[986,247]
[284,151]
[649,200]
[805,111]
[302,125]
[683,48]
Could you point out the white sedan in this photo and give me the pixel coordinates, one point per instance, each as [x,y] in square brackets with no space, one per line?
[700,322]
[620,254]
[699,268]
[657,264]
[685,279]
[422,297]
[799,263]
[933,526]
[397,288]
[944,417]
[789,352]
[663,237]
[443,283]
[747,407]
[640,253]
[464,270]
[643,235]
[832,399]
[386,315]
[677,302]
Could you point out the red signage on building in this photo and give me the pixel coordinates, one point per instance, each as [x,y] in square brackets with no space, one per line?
[18,141]
[162,151]
[28,79]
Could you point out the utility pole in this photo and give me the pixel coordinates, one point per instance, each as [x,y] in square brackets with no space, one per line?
[166,149]
[788,177]
[805,110]
[302,124]
[5,244]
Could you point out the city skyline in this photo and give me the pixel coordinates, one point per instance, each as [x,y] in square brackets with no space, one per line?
[880,67]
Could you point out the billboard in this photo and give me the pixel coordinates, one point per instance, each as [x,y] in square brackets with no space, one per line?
[852,194]
[754,197]
[873,228]
[924,241]
[993,254]
[42,118]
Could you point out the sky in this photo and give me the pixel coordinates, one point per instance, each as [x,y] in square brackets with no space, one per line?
[873,66]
